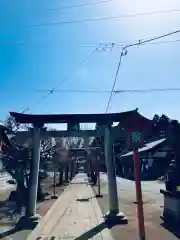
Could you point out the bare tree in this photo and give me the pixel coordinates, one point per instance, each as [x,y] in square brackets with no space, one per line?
[17,158]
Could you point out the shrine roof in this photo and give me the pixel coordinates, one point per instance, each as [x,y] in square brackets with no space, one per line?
[147,147]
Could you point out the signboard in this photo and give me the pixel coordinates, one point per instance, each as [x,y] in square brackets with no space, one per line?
[135,139]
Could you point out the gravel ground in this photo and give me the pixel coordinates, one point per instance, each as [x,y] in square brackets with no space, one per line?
[6,221]
[153,202]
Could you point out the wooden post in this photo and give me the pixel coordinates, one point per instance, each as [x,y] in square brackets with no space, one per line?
[98,178]
[67,172]
[54,182]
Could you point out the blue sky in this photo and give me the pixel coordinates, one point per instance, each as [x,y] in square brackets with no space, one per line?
[41,57]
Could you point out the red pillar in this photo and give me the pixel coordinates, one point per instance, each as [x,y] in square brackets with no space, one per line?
[140,212]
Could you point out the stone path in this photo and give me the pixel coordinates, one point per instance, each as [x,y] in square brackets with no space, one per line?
[75,215]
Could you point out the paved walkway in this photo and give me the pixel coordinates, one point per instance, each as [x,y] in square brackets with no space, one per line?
[72,219]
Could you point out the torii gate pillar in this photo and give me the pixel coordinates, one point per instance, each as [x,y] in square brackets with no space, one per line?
[113,216]
[72,127]
[31,219]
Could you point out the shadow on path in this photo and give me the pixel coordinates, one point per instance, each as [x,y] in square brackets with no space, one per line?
[93,231]
[6,209]
[173,229]
[9,232]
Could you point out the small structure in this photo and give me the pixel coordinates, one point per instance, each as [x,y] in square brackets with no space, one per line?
[171,211]
[154,157]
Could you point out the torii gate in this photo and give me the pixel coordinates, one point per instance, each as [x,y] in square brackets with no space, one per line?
[73,129]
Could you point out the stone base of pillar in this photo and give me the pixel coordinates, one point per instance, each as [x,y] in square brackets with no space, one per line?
[54,197]
[66,181]
[28,222]
[99,195]
[115,218]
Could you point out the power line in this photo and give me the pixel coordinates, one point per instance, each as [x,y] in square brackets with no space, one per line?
[67,78]
[116,91]
[102,18]
[150,90]
[114,83]
[69,45]
[124,53]
[36,103]
[141,42]
[63,81]
[76,6]
[116,45]
[152,43]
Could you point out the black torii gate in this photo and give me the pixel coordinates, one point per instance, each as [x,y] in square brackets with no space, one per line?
[73,122]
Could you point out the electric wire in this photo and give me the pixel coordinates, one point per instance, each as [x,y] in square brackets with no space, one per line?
[116,45]
[96,19]
[76,6]
[116,91]
[141,42]
[67,78]
[62,82]
[114,82]
[124,53]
